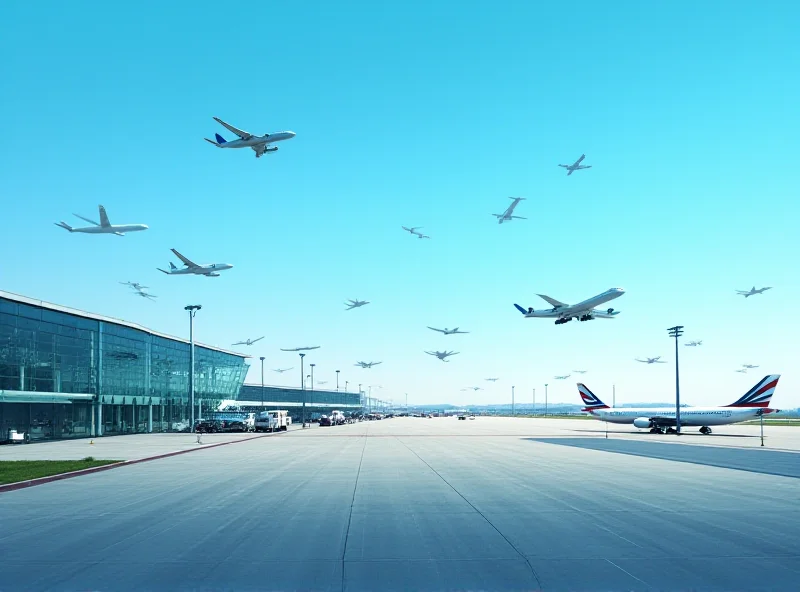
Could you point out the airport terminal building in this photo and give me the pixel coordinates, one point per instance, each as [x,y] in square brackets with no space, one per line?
[66,373]
[252,397]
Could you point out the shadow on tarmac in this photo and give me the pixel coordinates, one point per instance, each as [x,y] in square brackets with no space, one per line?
[756,460]
[647,434]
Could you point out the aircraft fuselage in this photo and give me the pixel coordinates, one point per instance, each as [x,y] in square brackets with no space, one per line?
[690,416]
[258,140]
[109,229]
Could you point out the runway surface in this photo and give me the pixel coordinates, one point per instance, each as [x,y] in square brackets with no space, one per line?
[420,504]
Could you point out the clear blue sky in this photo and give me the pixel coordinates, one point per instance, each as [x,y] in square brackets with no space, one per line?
[429,114]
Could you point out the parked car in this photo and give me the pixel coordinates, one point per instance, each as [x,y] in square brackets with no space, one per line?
[325,421]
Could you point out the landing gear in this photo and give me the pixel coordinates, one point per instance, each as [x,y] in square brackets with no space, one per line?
[671,431]
[656,431]
[705,430]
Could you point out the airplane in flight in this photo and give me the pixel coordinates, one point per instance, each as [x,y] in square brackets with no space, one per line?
[752,291]
[367,364]
[580,371]
[749,366]
[472,388]
[249,341]
[447,331]
[742,370]
[694,343]
[441,355]
[507,216]
[135,285]
[297,349]
[413,230]
[144,294]
[753,404]
[491,379]
[351,304]
[191,268]
[576,166]
[260,144]
[322,382]
[282,370]
[103,227]
[656,360]
[584,311]
[564,377]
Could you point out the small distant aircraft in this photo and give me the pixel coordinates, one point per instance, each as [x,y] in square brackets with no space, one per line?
[413,230]
[472,388]
[441,355]
[367,364]
[447,331]
[282,370]
[135,285]
[507,216]
[297,349]
[580,371]
[564,377]
[103,227]
[576,166]
[322,382]
[656,360]
[752,291]
[584,311]
[694,343]
[144,294]
[749,366]
[191,268]
[249,341]
[351,304]
[742,370]
[491,379]
[260,144]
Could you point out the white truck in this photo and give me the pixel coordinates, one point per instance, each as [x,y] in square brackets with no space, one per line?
[272,421]
[337,417]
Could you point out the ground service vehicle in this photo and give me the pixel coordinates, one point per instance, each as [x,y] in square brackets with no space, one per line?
[271,421]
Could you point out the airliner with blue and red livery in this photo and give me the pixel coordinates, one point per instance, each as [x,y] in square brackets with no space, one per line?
[753,404]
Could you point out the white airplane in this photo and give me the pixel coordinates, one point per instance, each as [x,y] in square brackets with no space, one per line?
[135,285]
[282,370]
[413,230]
[656,360]
[297,349]
[507,216]
[447,331]
[751,405]
[441,355]
[752,291]
[564,377]
[191,268]
[351,304]
[249,341]
[749,366]
[580,371]
[742,370]
[367,364]
[260,144]
[584,311]
[576,166]
[472,388]
[694,343]
[103,227]
[491,379]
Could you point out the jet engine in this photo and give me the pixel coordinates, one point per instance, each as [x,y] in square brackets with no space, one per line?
[610,311]
[271,149]
[642,422]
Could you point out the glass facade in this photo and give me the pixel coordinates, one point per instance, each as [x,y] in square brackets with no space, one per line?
[66,375]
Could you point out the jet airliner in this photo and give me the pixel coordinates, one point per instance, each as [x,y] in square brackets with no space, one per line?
[694,343]
[351,304]
[135,285]
[752,291]
[249,341]
[564,377]
[491,379]
[656,360]
[103,227]
[282,370]
[576,166]
[413,230]
[367,364]
[191,268]
[507,216]
[260,144]
[447,331]
[297,349]
[441,355]
[751,405]
[749,366]
[584,311]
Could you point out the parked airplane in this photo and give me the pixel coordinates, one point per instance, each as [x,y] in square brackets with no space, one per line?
[191,268]
[749,366]
[694,343]
[491,379]
[135,285]
[751,405]
[752,291]
[507,216]
[367,364]
[413,230]
[297,349]
[447,331]
[564,377]
[576,166]
[580,371]
[585,311]
[282,370]
[103,227]
[260,144]
[441,355]
[656,360]
[351,304]
[249,341]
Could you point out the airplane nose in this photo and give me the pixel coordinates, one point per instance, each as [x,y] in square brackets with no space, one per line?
[291,134]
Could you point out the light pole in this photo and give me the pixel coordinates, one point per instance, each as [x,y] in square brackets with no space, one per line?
[512,401]
[337,381]
[262,381]
[312,376]
[676,332]
[406,403]
[303,388]
[192,308]
[545,399]
[346,382]
[360,395]
[613,395]
[533,412]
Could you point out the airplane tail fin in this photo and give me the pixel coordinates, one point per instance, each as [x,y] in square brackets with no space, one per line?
[63,225]
[760,394]
[590,399]
[172,266]
[220,139]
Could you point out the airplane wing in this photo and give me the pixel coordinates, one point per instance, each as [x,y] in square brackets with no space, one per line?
[241,133]
[186,261]
[578,162]
[260,149]
[259,339]
[104,217]
[376,363]
[435,329]
[552,301]
[86,219]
